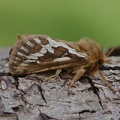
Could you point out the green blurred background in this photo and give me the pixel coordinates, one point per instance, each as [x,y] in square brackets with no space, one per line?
[63,19]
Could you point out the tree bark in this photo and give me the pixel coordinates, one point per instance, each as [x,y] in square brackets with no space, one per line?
[33,98]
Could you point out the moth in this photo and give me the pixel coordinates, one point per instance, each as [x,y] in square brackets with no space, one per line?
[38,53]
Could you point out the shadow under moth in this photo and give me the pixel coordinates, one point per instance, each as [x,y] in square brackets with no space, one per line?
[38,53]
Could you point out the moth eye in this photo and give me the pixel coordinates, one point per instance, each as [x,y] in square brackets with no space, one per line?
[100,62]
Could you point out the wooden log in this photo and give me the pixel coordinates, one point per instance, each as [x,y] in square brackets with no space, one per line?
[32,98]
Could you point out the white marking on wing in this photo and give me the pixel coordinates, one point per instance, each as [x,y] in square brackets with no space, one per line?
[48,48]
[21,54]
[38,54]
[15,62]
[30,44]
[24,64]
[25,49]
[64,54]
[17,58]
[30,61]
[43,50]
[60,44]
[61,59]
[32,57]
[38,61]
[37,40]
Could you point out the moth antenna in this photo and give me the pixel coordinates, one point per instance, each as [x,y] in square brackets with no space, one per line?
[105,81]
[110,51]
[107,61]
[109,54]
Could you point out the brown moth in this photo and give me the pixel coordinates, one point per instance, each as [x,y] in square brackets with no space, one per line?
[38,53]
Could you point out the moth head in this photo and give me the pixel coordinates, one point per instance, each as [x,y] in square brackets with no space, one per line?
[100,62]
[103,58]
[96,58]
[94,51]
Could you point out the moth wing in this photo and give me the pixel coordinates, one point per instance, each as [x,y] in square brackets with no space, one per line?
[38,53]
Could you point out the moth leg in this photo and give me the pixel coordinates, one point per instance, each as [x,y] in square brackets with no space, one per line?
[105,81]
[58,71]
[78,75]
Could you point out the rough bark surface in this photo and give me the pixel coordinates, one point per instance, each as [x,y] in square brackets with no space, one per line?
[33,98]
